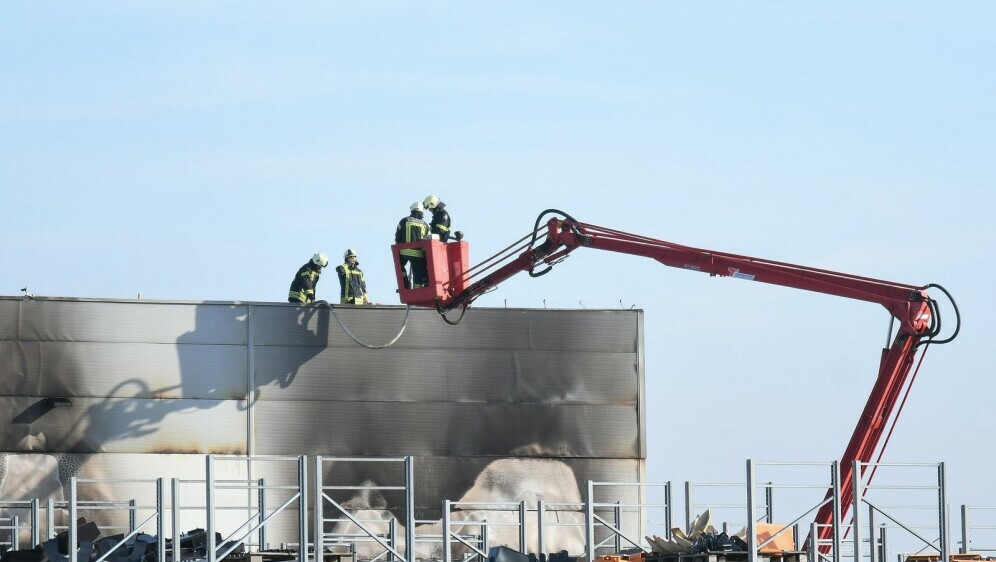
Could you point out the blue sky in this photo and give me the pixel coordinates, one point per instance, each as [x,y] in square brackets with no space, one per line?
[186,150]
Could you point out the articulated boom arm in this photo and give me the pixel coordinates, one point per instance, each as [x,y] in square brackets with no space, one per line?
[916,312]
[907,303]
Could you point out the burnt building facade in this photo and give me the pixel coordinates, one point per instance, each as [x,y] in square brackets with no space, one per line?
[511,403]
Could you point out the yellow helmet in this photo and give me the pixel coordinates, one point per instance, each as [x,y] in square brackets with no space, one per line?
[431,202]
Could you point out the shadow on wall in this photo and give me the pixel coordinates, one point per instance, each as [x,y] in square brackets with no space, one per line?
[211,363]
[211,374]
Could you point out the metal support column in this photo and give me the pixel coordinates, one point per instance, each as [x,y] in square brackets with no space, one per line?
[175,516]
[589,520]
[751,519]
[392,529]
[812,548]
[15,533]
[160,520]
[617,522]
[769,504]
[73,531]
[302,513]
[319,511]
[964,530]
[942,501]
[835,476]
[884,533]
[667,512]
[131,515]
[250,385]
[872,536]
[540,521]
[209,527]
[522,527]
[485,541]
[688,507]
[35,521]
[856,509]
[447,543]
[50,518]
[409,509]
[261,505]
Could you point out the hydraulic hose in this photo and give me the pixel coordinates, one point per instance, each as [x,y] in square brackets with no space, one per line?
[439,309]
[935,309]
[532,242]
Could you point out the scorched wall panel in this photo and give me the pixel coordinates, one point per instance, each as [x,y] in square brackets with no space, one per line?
[136,321]
[509,404]
[458,375]
[123,370]
[446,429]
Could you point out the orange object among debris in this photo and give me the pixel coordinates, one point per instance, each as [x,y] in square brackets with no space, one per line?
[937,557]
[637,557]
[781,543]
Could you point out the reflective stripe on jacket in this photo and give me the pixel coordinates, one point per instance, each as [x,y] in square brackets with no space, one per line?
[352,285]
[305,282]
[411,229]
[440,224]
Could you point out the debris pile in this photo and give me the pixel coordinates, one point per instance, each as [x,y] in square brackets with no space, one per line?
[702,537]
[139,547]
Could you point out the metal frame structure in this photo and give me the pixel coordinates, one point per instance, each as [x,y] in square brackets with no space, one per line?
[691,507]
[51,506]
[390,544]
[481,548]
[15,524]
[544,507]
[594,512]
[13,527]
[831,499]
[259,519]
[860,491]
[615,531]
[176,507]
[967,527]
[133,508]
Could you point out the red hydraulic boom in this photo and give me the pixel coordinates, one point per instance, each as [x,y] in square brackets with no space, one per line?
[452,285]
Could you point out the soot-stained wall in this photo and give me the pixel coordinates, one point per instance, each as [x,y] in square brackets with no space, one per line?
[510,403]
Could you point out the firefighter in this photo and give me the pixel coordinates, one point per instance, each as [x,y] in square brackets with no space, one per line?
[413,229]
[302,289]
[440,218]
[352,285]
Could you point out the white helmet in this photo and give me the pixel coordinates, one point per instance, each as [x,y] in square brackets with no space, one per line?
[431,202]
[348,253]
[320,259]
[416,206]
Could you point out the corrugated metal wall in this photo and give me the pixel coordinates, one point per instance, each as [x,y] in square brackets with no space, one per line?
[150,378]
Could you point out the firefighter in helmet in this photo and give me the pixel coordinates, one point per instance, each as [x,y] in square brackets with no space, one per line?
[302,289]
[440,224]
[352,285]
[413,229]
